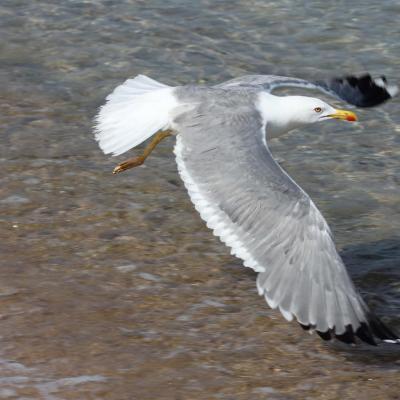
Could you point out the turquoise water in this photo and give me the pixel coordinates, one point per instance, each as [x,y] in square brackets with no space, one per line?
[111,286]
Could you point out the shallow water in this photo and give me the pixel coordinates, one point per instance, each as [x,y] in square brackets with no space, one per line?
[111,286]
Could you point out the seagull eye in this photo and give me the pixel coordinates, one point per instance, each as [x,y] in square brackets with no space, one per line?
[317,109]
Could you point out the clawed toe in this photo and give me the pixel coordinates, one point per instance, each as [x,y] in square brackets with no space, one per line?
[134,162]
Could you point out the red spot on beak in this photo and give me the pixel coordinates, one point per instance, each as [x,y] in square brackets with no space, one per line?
[351,118]
[344,115]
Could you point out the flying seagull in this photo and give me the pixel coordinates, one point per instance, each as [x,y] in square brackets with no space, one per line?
[243,194]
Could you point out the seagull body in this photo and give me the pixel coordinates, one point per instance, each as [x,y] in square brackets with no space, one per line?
[244,195]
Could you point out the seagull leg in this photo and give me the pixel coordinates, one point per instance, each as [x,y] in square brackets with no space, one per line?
[139,160]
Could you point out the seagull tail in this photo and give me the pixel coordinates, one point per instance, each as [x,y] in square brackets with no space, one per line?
[134,111]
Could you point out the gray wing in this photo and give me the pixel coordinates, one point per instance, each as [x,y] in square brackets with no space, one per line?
[363,91]
[268,220]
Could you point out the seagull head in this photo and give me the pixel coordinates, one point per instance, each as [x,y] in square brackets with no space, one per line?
[284,114]
[307,110]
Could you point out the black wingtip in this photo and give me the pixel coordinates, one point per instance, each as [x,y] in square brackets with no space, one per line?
[366,332]
[362,91]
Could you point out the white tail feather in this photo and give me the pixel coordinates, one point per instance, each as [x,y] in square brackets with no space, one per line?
[134,111]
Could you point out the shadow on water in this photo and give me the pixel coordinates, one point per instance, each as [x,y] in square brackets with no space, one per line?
[374,267]
[379,255]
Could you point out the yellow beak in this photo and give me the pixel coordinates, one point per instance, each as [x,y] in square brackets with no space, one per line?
[345,115]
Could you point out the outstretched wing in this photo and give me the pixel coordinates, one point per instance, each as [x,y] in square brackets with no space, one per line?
[363,91]
[268,220]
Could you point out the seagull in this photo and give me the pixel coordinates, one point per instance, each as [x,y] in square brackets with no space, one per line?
[243,194]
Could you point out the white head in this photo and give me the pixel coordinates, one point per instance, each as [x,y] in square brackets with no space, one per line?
[283,114]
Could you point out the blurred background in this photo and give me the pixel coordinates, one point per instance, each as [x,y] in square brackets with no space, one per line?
[111,287]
